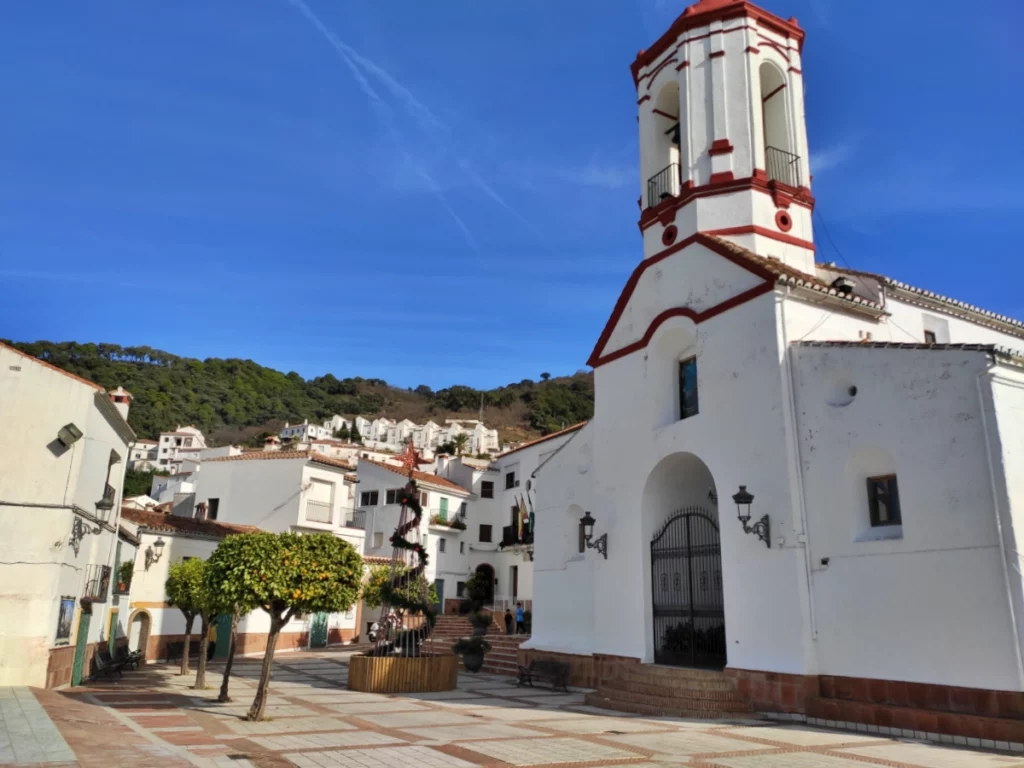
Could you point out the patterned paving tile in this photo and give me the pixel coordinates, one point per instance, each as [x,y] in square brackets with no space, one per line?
[504,710]
[548,751]
[384,757]
[271,710]
[800,736]
[377,707]
[785,760]
[448,734]
[414,719]
[933,756]
[689,742]
[604,725]
[289,725]
[325,740]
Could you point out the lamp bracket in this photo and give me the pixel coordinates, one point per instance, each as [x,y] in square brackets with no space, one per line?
[762,528]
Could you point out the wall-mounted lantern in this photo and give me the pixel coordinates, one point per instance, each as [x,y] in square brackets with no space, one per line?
[154,552]
[587,531]
[762,527]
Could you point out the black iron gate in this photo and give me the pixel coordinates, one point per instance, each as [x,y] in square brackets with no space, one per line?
[686,589]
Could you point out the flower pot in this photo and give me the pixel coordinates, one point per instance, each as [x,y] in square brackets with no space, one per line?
[472,661]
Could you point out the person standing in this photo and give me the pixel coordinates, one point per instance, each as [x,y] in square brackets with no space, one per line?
[212,638]
[520,625]
[508,622]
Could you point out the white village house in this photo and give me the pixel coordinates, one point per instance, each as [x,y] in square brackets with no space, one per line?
[64,445]
[874,576]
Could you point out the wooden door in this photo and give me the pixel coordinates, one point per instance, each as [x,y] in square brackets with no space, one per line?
[318,630]
[112,631]
[223,625]
[81,640]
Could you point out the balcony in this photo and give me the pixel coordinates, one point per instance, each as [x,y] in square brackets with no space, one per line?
[356,519]
[783,166]
[107,502]
[662,185]
[97,583]
[456,523]
[319,512]
[510,537]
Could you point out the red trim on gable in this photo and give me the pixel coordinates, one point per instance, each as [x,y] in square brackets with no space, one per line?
[753,229]
[718,178]
[684,65]
[697,317]
[665,210]
[716,54]
[643,99]
[720,147]
[711,244]
[772,44]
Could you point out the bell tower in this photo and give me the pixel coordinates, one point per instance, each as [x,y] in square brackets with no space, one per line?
[723,140]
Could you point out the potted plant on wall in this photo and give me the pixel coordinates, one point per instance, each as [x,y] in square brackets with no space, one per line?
[124,576]
[472,650]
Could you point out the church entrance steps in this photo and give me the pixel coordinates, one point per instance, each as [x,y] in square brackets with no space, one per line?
[673,691]
[500,660]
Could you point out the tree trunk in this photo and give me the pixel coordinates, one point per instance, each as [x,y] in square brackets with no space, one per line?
[231,660]
[204,646]
[260,702]
[188,643]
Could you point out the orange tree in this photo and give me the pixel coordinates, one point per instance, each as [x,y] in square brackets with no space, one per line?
[185,590]
[286,574]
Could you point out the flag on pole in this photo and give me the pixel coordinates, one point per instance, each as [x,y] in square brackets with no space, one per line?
[523,517]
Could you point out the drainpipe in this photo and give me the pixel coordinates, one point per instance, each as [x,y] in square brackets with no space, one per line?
[987,373]
[794,447]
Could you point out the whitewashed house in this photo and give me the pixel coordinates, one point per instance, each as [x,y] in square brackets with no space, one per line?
[874,576]
[144,455]
[64,446]
[336,422]
[441,529]
[180,445]
[306,432]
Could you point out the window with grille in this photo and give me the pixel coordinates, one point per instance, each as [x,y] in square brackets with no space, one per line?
[884,501]
[688,402]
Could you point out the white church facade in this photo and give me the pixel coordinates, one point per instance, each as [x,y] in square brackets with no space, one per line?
[879,429]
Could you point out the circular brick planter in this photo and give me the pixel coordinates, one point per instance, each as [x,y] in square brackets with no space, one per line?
[394,674]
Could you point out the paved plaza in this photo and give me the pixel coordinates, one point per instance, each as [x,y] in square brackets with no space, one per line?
[152,718]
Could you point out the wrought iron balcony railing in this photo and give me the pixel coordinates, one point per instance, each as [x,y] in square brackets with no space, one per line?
[510,536]
[356,519]
[783,166]
[663,184]
[97,583]
[318,512]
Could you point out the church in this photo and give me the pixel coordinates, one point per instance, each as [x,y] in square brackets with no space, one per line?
[803,485]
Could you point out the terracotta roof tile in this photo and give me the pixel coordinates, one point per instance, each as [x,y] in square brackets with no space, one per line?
[53,367]
[792,276]
[552,436]
[260,455]
[992,349]
[159,521]
[424,478]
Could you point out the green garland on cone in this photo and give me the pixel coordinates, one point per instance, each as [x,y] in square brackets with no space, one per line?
[392,592]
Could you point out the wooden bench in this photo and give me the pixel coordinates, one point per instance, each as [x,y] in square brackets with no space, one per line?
[555,672]
[104,665]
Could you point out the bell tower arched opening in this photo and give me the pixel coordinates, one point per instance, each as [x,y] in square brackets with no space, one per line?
[665,155]
[783,164]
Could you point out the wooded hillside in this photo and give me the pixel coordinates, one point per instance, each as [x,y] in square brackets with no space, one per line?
[237,400]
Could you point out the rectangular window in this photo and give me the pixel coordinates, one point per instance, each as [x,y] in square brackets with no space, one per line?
[443,514]
[391,497]
[460,587]
[369,498]
[423,498]
[440,545]
[213,507]
[424,542]
[929,337]
[485,534]
[884,501]
[688,388]
[510,480]
[378,539]
[515,516]
[64,618]
[462,547]
[487,489]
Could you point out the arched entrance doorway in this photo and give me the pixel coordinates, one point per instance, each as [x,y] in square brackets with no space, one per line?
[687,606]
[485,573]
[138,631]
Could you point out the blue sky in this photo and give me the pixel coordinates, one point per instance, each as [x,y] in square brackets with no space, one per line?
[445,192]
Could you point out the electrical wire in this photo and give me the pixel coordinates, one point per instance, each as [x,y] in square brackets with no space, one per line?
[828,234]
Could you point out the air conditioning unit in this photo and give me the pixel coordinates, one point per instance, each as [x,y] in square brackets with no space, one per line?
[69,435]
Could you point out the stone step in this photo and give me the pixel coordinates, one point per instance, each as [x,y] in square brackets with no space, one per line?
[669,689]
[594,699]
[684,698]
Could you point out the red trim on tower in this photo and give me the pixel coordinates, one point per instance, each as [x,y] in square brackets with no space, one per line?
[718,178]
[720,147]
[783,221]
[711,244]
[643,99]
[665,114]
[753,229]
[773,93]
[772,44]
[716,54]
[665,210]
[684,65]
[695,17]
[797,71]
[658,69]
[752,49]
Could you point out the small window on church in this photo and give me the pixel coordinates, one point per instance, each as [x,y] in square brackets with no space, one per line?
[884,501]
[688,388]
[929,337]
